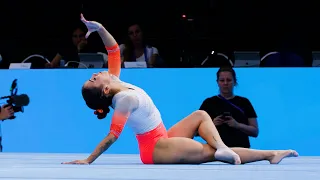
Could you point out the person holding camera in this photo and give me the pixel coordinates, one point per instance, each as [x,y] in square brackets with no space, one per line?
[233,116]
[5,113]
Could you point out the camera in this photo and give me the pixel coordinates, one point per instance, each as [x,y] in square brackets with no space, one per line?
[17,102]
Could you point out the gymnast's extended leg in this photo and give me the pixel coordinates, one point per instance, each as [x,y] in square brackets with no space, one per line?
[181,150]
[273,156]
[201,121]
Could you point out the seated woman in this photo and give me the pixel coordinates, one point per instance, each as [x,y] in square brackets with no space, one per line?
[136,49]
[134,107]
[68,52]
[234,116]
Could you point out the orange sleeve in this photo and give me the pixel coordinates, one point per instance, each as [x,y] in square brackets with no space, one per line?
[114,60]
[117,123]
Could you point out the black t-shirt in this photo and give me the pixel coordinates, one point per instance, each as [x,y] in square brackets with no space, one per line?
[215,106]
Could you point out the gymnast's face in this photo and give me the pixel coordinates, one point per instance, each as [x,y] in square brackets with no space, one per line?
[99,80]
[226,82]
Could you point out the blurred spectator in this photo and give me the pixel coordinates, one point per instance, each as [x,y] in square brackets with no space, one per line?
[135,48]
[69,51]
[234,116]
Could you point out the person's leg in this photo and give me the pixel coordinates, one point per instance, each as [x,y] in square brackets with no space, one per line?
[201,121]
[273,156]
[197,121]
[179,150]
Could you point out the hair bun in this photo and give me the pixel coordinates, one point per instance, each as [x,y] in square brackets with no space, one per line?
[101,116]
[101,113]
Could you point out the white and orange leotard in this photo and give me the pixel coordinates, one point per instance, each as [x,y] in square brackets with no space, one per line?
[135,108]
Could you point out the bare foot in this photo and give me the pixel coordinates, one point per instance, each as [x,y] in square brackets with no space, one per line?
[279,155]
[227,155]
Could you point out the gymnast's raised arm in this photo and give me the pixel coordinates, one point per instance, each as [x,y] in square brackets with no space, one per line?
[114,58]
[124,106]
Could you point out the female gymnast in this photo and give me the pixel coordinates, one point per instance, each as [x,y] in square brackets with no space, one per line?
[134,107]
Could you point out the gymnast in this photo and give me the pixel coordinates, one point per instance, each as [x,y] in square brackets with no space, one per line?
[133,106]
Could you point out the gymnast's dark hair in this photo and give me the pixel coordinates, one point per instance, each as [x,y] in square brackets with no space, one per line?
[228,69]
[96,101]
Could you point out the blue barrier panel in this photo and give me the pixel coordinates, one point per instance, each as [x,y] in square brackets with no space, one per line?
[57,119]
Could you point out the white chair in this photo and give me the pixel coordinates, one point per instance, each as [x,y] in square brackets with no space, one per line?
[270,59]
[35,55]
[268,54]
[223,56]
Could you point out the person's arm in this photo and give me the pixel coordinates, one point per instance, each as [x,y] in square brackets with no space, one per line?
[111,45]
[102,147]
[6,112]
[114,57]
[56,60]
[251,129]
[123,108]
[154,56]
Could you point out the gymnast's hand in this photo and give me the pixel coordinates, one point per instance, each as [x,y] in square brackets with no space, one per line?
[91,25]
[77,162]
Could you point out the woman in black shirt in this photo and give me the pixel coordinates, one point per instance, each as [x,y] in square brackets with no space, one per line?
[234,116]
